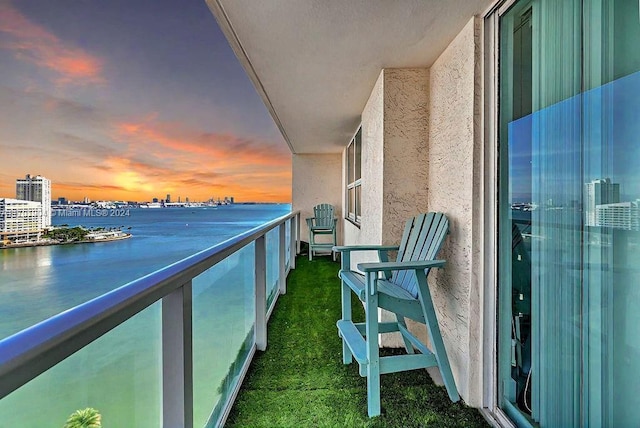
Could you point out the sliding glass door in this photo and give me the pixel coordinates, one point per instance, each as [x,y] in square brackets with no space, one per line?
[569,226]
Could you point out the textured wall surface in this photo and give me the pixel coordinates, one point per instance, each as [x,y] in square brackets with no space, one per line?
[316,179]
[406,154]
[455,144]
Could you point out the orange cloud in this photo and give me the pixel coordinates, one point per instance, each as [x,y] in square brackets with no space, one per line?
[169,157]
[34,43]
[173,158]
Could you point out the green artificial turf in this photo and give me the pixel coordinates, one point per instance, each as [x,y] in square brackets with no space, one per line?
[300,379]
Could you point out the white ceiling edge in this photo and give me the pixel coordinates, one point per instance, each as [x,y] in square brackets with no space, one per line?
[314,63]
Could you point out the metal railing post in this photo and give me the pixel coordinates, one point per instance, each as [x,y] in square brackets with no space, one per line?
[261,293]
[292,244]
[298,233]
[282,258]
[177,361]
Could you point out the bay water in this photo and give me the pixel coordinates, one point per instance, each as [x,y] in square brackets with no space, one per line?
[120,374]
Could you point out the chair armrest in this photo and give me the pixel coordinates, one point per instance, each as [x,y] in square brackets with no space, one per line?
[349,248]
[408,265]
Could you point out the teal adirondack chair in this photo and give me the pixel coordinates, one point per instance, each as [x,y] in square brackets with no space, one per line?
[323,222]
[399,287]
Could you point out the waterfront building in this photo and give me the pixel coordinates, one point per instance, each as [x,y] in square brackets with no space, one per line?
[20,220]
[599,192]
[621,215]
[37,189]
[168,200]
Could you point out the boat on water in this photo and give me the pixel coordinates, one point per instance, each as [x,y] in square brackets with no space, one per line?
[151,205]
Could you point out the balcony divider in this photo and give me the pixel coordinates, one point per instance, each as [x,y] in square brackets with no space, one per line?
[33,351]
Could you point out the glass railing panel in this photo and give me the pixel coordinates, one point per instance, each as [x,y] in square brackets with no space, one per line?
[273,272]
[119,375]
[223,331]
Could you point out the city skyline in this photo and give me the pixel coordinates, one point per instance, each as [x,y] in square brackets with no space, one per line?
[119,106]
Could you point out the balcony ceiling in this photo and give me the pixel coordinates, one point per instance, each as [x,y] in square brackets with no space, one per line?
[315,62]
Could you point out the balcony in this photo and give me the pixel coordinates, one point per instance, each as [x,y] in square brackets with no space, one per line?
[176,345]
[300,379]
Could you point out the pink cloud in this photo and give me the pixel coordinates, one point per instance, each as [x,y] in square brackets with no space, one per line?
[34,43]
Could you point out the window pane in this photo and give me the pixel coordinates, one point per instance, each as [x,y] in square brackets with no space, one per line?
[351,199]
[357,202]
[350,162]
[358,154]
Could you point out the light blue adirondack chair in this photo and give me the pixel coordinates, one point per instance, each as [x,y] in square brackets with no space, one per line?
[399,287]
[323,222]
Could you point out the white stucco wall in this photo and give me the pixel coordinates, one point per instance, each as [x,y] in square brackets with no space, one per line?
[406,153]
[454,180]
[316,179]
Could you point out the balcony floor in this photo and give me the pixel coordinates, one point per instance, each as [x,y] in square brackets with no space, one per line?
[300,379]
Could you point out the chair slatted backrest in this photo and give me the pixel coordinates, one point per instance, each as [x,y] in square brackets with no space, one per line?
[324,216]
[422,239]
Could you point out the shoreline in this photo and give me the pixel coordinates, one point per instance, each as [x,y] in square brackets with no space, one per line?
[49,243]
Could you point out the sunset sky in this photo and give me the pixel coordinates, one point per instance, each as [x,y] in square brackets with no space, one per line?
[131,100]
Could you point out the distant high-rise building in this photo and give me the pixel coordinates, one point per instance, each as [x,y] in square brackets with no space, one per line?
[599,192]
[168,198]
[36,189]
[62,200]
[154,200]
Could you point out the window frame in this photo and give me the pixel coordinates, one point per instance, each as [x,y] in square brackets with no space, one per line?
[353,179]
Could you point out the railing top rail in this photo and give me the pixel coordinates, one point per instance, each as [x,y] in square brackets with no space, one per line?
[28,353]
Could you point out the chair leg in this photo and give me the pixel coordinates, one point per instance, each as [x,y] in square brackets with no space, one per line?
[347,357]
[333,253]
[373,351]
[311,243]
[436,338]
[407,343]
